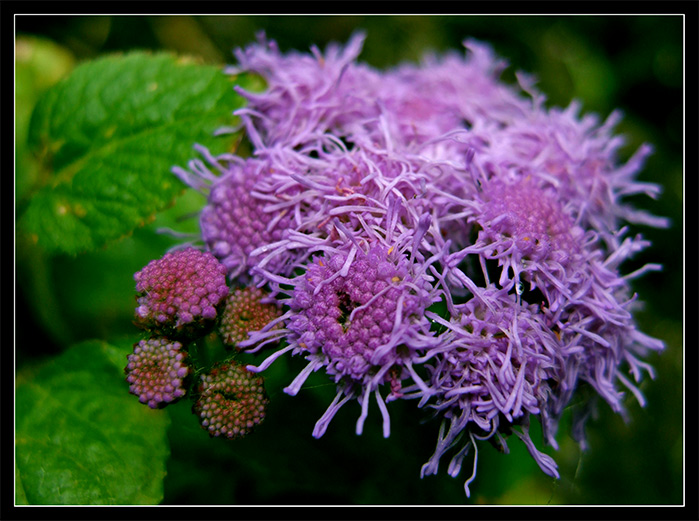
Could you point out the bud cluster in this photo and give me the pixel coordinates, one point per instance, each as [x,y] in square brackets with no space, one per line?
[245,312]
[232,400]
[179,293]
[179,299]
[156,371]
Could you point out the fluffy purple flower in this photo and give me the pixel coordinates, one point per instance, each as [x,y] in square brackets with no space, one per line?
[575,156]
[428,106]
[235,222]
[525,223]
[502,361]
[359,315]
[436,234]
[156,371]
[307,94]
[347,317]
[179,293]
[496,365]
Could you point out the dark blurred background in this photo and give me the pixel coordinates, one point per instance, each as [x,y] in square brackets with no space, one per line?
[634,63]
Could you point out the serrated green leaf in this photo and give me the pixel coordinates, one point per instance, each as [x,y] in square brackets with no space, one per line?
[82,439]
[107,137]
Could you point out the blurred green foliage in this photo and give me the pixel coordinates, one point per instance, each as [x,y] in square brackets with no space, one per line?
[633,63]
[74,426]
[40,63]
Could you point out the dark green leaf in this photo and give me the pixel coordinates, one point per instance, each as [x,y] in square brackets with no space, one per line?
[81,438]
[107,138]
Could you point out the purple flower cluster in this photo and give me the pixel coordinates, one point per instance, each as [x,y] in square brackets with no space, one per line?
[433,233]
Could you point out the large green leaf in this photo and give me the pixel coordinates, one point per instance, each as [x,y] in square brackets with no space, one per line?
[39,64]
[107,137]
[81,438]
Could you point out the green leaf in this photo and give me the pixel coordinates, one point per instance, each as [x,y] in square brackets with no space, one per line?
[73,300]
[81,438]
[107,138]
[20,496]
[39,64]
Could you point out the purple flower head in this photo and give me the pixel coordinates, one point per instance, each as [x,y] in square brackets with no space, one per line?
[360,316]
[268,214]
[257,207]
[307,95]
[156,371]
[245,311]
[443,96]
[525,223]
[348,317]
[236,220]
[576,156]
[363,190]
[533,238]
[232,400]
[496,365]
[179,294]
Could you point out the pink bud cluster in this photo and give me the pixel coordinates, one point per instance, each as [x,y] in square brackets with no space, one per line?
[156,371]
[179,293]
